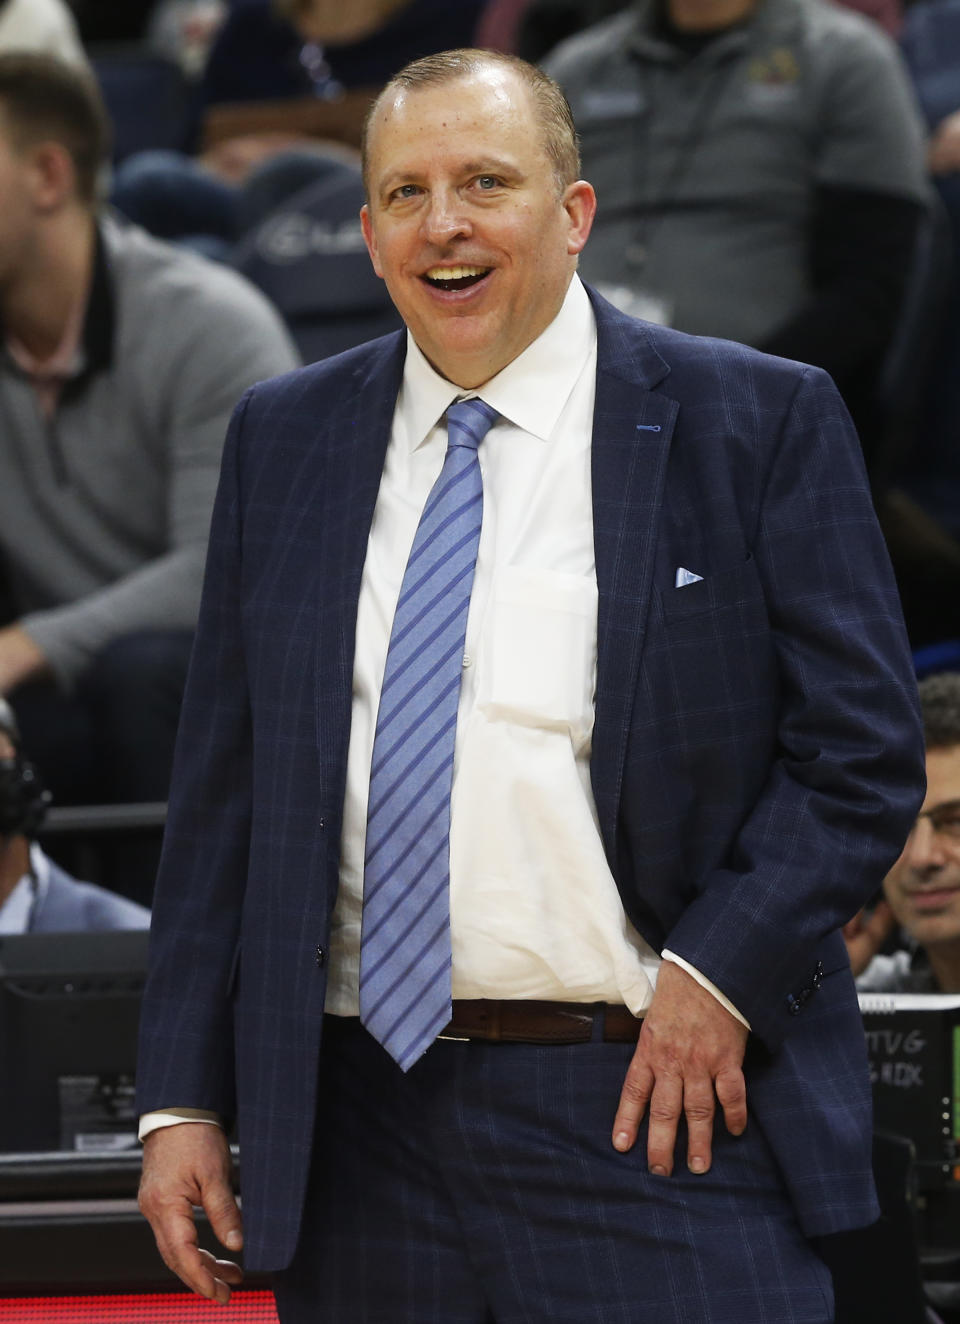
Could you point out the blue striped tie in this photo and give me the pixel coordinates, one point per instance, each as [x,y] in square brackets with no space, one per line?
[405,946]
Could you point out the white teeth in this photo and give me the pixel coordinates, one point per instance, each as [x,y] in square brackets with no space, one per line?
[454,273]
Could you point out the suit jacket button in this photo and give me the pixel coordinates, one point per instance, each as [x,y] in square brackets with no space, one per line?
[321,956]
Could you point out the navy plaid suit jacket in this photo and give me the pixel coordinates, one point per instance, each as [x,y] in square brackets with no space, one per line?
[757,757]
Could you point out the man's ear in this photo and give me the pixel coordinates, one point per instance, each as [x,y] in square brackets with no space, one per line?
[370,239]
[580,204]
[53,178]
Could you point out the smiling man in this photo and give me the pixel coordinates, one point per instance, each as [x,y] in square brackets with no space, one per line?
[551,710]
[922,889]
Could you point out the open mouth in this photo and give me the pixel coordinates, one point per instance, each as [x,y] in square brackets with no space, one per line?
[454,278]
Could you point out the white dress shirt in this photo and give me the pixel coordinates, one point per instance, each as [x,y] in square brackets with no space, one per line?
[534,909]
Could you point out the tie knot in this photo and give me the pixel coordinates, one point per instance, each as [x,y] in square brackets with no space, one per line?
[468,422]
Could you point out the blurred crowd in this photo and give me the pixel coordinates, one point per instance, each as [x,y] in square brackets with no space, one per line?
[183,184]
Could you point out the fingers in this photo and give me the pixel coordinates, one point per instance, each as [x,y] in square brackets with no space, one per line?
[176,1237]
[223,1212]
[224,1274]
[637,1088]
[731,1088]
[177,1243]
[688,1056]
[666,1106]
[670,1098]
[185,1166]
[699,1108]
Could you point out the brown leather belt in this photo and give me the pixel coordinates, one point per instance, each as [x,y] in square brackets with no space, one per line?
[540,1022]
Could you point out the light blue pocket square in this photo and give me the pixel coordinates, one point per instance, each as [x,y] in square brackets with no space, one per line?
[685,577]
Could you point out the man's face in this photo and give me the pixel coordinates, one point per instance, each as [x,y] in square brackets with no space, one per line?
[923,887]
[466,222]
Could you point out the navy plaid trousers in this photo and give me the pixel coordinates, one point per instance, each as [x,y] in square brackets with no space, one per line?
[482,1188]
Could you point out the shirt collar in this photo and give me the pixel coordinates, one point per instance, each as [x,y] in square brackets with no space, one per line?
[531,391]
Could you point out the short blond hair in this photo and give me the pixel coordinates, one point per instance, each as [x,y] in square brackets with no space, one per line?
[42,97]
[550,106]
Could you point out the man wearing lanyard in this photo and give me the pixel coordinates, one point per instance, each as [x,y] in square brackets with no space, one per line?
[549,713]
[761,172]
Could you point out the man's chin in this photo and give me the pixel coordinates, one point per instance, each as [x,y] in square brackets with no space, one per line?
[466,354]
[933,930]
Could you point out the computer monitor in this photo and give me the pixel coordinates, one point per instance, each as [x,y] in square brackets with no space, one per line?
[69,1006]
[913,1045]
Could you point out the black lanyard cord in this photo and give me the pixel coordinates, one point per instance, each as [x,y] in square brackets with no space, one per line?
[655,209]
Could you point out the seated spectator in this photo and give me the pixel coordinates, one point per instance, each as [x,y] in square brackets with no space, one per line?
[532,28]
[281,75]
[36,896]
[922,890]
[759,169]
[120,362]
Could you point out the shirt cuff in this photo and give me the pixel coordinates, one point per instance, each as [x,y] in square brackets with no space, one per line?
[173,1117]
[704,982]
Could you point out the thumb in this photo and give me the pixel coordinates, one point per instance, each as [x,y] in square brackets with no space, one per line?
[221,1208]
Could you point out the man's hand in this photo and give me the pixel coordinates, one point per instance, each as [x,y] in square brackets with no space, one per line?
[20,658]
[865,935]
[689,1055]
[186,1165]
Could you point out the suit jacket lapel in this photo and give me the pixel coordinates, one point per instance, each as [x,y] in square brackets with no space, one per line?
[632,429]
[357,427]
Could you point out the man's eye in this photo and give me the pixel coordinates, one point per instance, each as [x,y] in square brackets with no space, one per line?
[947,823]
[487,182]
[406,191]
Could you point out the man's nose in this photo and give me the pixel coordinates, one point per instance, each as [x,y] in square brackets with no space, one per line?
[445,219]
[924,848]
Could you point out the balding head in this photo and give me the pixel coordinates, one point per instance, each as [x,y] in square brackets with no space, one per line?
[550,107]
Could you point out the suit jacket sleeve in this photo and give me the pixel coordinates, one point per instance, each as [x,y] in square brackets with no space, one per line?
[186,1030]
[846,775]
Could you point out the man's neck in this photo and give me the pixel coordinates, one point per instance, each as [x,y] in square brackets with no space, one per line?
[945,964]
[708,15]
[14,863]
[36,305]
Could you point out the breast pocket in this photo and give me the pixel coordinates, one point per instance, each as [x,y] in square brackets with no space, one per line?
[539,651]
[731,589]
[713,648]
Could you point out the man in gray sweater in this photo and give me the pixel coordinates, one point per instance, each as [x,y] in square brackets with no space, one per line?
[120,361]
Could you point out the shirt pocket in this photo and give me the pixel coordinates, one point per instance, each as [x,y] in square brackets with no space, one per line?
[540,651]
